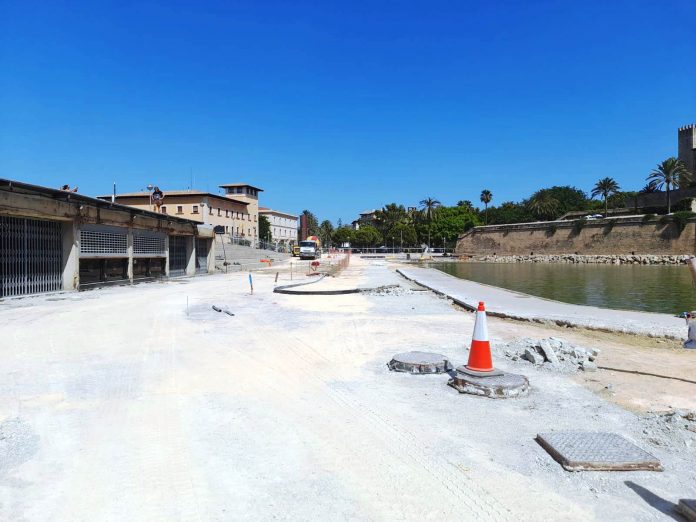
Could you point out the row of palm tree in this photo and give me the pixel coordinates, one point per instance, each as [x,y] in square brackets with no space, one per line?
[671,173]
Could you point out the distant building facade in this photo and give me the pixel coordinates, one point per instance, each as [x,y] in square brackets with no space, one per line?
[366,218]
[283,226]
[687,147]
[231,214]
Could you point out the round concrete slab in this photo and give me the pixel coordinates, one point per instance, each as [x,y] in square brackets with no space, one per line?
[501,386]
[419,362]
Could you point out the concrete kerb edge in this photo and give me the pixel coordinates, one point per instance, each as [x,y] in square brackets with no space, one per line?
[557,322]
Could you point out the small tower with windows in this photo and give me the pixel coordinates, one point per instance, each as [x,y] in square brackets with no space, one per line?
[249,225]
[687,147]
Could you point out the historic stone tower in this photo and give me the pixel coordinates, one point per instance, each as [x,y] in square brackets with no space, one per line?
[687,147]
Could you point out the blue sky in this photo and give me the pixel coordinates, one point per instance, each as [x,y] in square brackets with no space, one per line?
[344,106]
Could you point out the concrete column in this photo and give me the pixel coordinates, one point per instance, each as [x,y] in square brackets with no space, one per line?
[211,256]
[166,259]
[71,256]
[130,255]
[191,255]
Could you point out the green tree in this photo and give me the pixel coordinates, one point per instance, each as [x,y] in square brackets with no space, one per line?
[450,222]
[468,205]
[569,198]
[312,223]
[264,228]
[509,212]
[403,234]
[326,230]
[486,198]
[343,235]
[543,205]
[670,173]
[367,236]
[390,216]
[605,187]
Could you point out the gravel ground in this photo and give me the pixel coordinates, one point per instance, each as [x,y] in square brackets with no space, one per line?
[125,404]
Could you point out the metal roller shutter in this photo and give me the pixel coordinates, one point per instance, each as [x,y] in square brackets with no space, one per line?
[177,255]
[31,256]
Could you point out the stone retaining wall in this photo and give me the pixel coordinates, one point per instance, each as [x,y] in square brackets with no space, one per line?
[611,237]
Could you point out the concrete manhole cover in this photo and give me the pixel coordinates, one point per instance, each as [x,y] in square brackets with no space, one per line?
[498,386]
[589,451]
[419,362]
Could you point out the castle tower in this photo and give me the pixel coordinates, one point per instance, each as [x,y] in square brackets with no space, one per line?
[687,147]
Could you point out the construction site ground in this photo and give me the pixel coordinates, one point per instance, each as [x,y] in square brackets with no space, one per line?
[143,403]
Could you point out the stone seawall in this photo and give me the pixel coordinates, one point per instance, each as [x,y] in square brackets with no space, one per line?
[633,236]
[588,259]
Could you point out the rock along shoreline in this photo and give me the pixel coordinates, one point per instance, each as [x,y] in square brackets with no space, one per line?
[623,259]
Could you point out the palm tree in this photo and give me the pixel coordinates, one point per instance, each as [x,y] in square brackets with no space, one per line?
[428,208]
[649,188]
[544,205]
[605,187]
[326,230]
[486,197]
[670,173]
[429,205]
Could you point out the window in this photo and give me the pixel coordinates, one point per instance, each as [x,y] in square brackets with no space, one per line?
[179,209]
[237,230]
[219,212]
[227,230]
[254,217]
[227,213]
[163,210]
[195,209]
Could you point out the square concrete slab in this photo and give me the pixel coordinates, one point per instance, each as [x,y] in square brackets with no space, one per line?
[592,451]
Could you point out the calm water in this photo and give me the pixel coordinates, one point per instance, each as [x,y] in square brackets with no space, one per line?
[665,289]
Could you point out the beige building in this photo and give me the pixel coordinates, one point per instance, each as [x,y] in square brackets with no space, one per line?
[283,226]
[249,195]
[232,214]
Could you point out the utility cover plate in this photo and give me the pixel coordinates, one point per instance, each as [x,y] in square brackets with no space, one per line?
[591,451]
[419,362]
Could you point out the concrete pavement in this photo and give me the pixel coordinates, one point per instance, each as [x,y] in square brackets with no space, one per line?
[507,303]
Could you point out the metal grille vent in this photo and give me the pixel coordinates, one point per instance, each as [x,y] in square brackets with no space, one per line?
[148,245]
[102,242]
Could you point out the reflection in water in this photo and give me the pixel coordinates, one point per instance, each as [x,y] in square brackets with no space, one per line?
[664,289]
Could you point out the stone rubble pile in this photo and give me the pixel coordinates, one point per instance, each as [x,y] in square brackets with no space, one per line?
[552,353]
[628,259]
[665,428]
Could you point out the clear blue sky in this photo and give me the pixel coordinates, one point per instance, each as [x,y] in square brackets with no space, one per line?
[344,106]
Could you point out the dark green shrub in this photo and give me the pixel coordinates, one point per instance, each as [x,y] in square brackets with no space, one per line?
[680,219]
[578,225]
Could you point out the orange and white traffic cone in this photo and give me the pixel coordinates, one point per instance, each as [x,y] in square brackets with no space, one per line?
[480,358]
